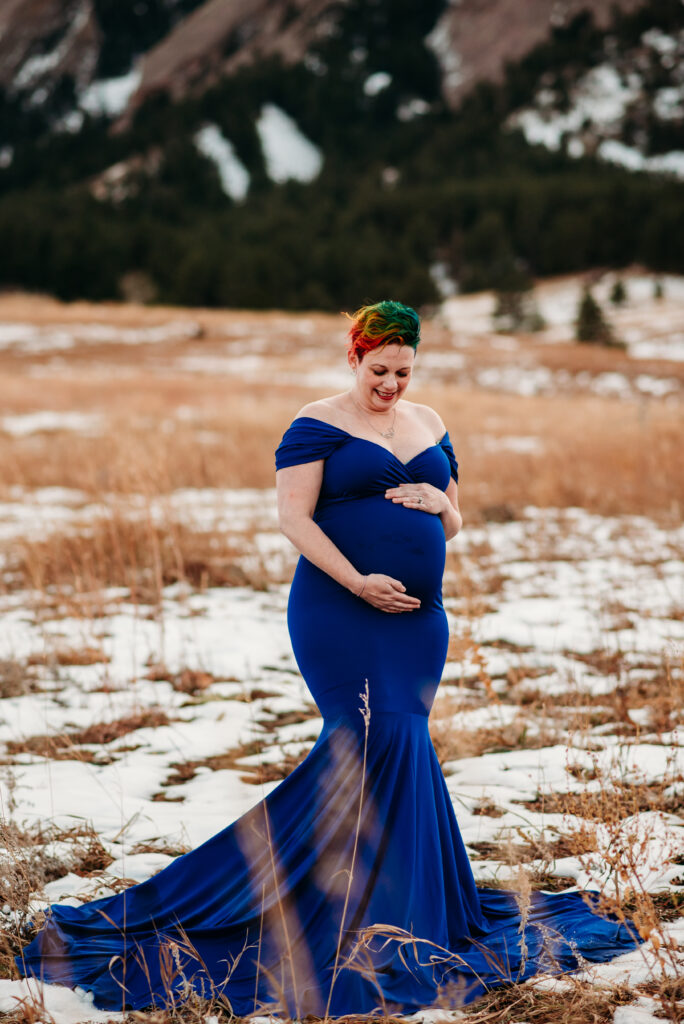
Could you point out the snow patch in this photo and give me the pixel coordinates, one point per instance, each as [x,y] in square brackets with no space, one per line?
[70,123]
[615,152]
[376,82]
[666,348]
[668,103]
[109,97]
[599,107]
[522,445]
[601,99]
[657,386]
[534,380]
[232,173]
[659,41]
[643,1010]
[442,279]
[415,107]
[59,1004]
[440,42]
[35,422]
[50,337]
[288,154]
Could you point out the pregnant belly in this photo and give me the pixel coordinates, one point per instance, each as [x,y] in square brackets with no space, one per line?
[379,536]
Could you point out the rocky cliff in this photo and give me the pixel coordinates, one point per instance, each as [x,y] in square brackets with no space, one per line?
[475,39]
[43,42]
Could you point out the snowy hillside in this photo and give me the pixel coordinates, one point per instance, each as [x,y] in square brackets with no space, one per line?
[627,111]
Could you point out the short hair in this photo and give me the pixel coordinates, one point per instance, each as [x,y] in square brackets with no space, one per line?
[383,323]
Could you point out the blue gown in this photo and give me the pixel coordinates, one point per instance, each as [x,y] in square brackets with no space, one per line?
[348,888]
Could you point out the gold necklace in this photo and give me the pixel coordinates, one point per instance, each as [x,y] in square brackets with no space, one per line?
[388,434]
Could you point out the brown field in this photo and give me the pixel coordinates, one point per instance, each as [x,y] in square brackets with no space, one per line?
[202,404]
[605,454]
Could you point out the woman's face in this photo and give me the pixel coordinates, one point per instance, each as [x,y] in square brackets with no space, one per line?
[382,376]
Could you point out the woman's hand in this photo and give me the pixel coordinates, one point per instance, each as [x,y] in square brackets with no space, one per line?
[387,594]
[423,497]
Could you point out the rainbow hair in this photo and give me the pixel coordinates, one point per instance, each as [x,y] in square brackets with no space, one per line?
[384,323]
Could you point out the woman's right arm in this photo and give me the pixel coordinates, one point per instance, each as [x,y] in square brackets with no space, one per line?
[298,488]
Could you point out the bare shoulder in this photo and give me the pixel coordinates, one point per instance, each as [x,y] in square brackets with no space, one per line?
[326,409]
[427,416]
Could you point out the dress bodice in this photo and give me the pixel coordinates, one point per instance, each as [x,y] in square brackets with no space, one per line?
[358,468]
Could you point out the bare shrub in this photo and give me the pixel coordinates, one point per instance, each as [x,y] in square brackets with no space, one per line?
[17,677]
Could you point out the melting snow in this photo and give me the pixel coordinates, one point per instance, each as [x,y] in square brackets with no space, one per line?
[668,103]
[415,107]
[659,41]
[34,422]
[601,99]
[522,445]
[600,102]
[376,82]
[665,348]
[444,282]
[287,153]
[442,45]
[534,380]
[109,96]
[232,172]
[61,1005]
[70,123]
[33,338]
[559,602]
[615,152]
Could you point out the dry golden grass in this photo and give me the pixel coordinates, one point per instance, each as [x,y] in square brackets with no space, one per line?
[139,554]
[605,455]
[70,656]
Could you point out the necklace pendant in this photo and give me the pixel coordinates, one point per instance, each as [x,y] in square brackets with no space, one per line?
[387,433]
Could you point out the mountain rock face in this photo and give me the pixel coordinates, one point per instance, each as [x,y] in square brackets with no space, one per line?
[45,41]
[474,39]
[42,41]
[222,35]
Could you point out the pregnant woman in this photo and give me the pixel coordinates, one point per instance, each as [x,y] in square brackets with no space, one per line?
[348,888]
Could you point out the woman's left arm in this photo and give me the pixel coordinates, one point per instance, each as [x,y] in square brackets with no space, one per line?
[451,517]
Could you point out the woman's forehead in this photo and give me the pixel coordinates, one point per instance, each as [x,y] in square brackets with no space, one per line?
[391,355]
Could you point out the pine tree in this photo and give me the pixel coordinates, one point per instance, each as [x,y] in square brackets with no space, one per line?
[618,294]
[591,324]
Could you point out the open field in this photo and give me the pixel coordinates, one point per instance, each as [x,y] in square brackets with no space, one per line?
[148,694]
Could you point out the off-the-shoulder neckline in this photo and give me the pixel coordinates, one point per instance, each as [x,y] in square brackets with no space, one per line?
[355,437]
